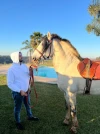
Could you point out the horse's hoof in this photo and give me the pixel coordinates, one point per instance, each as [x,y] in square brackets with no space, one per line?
[66,122]
[76,124]
[73,130]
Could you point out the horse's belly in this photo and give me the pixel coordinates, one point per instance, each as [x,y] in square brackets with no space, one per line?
[67,84]
[62,86]
[77,84]
[95,87]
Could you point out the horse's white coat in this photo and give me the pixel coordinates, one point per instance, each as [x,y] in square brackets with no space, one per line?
[65,61]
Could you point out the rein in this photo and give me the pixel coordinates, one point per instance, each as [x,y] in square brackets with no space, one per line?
[31,83]
[41,54]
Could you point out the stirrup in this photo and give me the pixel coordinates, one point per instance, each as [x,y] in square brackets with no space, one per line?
[86,91]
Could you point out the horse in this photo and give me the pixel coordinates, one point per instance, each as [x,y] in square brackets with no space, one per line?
[65,59]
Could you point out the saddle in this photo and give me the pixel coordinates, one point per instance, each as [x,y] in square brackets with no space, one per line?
[89,70]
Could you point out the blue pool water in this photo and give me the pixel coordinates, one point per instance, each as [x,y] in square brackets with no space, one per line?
[45,72]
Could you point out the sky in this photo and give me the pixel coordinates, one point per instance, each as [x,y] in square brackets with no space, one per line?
[68,18]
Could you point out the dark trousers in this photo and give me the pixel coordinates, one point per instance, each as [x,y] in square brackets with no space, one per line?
[18,99]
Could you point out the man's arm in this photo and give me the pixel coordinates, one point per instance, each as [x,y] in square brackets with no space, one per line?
[10,81]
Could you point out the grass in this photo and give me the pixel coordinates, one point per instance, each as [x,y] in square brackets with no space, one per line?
[51,111]
[47,63]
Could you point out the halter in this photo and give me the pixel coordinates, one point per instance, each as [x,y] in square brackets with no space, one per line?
[41,53]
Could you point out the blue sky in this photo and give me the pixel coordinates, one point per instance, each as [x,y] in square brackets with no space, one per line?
[67,18]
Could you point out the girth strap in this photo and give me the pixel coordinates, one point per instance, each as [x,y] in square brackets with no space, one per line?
[88,86]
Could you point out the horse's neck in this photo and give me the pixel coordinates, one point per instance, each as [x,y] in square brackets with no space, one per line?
[63,59]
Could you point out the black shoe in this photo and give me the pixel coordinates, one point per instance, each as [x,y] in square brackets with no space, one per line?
[19,126]
[33,118]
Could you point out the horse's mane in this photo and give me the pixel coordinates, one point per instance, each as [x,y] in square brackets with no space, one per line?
[73,49]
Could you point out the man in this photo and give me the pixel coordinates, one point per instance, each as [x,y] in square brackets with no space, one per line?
[18,76]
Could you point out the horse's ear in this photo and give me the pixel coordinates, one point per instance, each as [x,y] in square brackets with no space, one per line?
[49,36]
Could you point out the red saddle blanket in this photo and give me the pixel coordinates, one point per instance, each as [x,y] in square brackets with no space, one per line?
[89,69]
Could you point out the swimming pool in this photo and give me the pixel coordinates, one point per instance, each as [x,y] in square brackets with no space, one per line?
[44,71]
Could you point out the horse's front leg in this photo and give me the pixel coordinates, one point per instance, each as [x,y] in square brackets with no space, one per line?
[72,99]
[67,117]
[74,120]
[68,114]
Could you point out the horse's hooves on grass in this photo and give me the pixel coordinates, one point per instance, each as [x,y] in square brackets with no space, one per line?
[65,122]
[73,130]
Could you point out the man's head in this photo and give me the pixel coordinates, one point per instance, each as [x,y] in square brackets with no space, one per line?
[16,57]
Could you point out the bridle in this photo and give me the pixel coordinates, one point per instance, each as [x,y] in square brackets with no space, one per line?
[41,53]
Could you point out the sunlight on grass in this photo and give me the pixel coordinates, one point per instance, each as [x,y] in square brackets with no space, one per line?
[92,120]
[2,80]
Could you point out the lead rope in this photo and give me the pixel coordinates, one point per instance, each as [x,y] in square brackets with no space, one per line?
[31,83]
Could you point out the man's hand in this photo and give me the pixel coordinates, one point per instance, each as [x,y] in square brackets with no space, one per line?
[29,91]
[23,93]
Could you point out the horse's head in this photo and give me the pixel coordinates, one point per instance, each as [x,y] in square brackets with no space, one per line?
[44,50]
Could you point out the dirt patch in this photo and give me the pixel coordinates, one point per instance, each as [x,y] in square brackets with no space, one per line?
[4,68]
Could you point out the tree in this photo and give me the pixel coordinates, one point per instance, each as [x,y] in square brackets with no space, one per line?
[27,46]
[94,10]
[35,39]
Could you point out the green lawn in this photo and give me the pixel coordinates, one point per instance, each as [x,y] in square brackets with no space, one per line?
[51,111]
[47,63]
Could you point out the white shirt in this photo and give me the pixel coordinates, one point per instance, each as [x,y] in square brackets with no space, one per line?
[18,75]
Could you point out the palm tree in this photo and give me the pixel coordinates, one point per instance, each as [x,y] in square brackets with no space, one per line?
[27,46]
[35,39]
